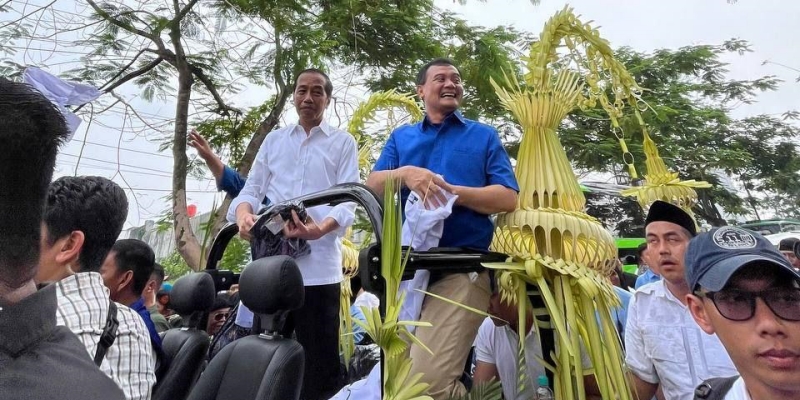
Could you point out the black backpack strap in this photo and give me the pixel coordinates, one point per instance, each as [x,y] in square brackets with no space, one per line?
[714,388]
[109,333]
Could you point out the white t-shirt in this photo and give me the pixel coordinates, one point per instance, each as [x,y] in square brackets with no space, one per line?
[738,391]
[500,346]
[663,344]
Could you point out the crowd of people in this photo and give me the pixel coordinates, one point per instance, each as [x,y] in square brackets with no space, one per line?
[712,314]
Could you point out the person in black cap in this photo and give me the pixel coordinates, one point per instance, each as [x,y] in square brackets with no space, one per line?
[664,346]
[786,247]
[746,292]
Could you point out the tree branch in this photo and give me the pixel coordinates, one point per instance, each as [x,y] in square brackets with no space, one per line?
[106,16]
[28,14]
[182,13]
[134,74]
[223,108]
[125,68]
[271,120]
[197,72]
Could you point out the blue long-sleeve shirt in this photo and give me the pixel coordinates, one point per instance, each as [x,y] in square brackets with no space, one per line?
[231,182]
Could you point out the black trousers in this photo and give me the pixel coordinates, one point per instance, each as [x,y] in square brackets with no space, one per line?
[316,326]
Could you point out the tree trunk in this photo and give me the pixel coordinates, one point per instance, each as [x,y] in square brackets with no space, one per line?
[266,126]
[707,209]
[185,239]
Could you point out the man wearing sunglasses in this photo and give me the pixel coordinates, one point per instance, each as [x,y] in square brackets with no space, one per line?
[747,293]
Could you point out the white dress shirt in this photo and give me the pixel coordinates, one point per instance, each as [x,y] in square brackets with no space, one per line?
[290,164]
[83,308]
[663,344]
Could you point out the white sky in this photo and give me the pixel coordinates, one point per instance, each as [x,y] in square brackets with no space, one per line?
[769,25]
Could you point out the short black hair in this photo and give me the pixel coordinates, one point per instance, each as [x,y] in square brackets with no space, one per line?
[640,250]
[787,244]
[93,205]
[137,256]
[422,75]
[328,83]
[158,274]
[31,130]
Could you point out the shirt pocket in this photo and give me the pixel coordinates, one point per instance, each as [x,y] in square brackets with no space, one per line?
[717,359]
[665,344]
[465,166]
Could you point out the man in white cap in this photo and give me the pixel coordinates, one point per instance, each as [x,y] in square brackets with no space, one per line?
[664,346]
[745,290]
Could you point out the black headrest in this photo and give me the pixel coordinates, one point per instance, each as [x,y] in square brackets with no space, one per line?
[191,293]
[272,284]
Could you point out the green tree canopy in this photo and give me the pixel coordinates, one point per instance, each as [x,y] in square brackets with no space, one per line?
[688,99]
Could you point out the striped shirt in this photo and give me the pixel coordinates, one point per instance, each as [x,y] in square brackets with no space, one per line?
[83,308]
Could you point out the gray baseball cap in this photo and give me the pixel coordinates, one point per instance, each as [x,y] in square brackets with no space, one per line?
[714,256]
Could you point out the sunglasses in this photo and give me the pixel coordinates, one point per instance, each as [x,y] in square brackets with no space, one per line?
[220,317]
[740,305]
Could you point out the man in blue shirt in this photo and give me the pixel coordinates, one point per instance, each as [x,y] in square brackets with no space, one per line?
[449,153]
[226,178]
[126,270]
[648,276]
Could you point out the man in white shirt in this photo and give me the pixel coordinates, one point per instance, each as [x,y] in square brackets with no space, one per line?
[83,217]
[497,349]
[749,294]
[296,160]
[663,344]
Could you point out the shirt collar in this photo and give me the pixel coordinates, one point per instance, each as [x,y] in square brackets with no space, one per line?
[28,322]
[454,117]
[323,126]
[659,289]
[138,305]
[80,281]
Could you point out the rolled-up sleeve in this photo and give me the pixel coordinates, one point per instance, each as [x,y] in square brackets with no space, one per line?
[635,353]
[347,172]
[256,185]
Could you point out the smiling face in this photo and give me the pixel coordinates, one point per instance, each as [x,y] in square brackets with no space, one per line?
[442,90]
[216,319]
[764,348]
[666,246]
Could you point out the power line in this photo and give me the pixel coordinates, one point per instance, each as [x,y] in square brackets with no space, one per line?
[117,163]
[105,168]
[123,148]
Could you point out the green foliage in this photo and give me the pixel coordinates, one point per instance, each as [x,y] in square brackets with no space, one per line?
[622,216]
[236,256]
[690,100]
[480,54]
[491,390]
[231,134]
[174,266]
